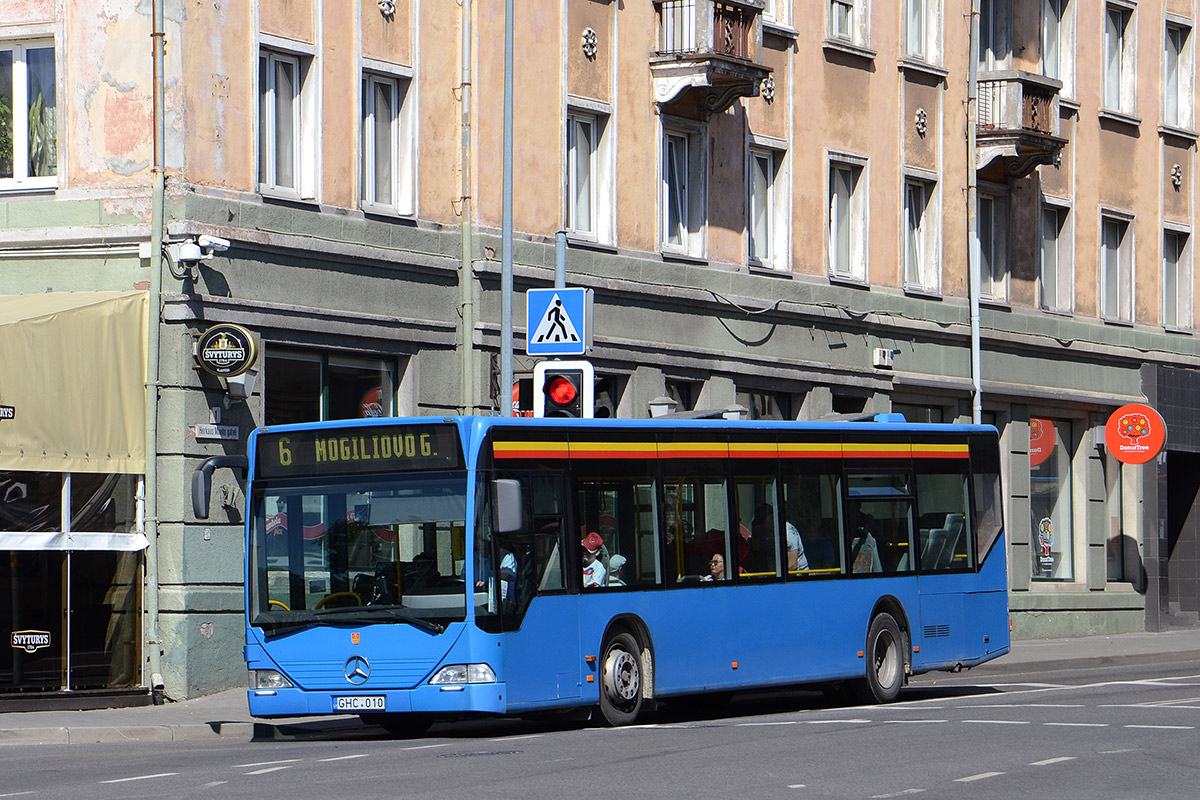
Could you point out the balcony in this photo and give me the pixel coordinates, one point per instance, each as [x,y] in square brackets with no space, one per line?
[1017,124]
[708,50]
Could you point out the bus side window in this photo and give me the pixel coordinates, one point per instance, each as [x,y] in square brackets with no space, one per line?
[812,511]
[696,511]
[942,501]
[882,538]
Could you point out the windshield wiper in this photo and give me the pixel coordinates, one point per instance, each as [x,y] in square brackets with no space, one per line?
[386,612]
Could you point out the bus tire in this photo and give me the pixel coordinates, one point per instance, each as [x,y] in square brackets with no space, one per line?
[401,726]
[885,659]
[620,680]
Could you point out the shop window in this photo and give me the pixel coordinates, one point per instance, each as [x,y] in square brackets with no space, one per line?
[307,387]
[1050,443]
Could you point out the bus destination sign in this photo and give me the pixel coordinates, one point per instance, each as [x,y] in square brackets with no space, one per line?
[357,450]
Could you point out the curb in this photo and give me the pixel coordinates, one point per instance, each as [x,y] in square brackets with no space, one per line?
[1002,667]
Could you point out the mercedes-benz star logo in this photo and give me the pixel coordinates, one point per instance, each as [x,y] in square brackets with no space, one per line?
[357,670]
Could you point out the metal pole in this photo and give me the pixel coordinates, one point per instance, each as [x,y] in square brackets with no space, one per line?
[560,259]
[972,214]
[65,526]
[466,270]
[506,265]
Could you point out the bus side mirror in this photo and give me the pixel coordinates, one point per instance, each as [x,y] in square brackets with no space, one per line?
[202,480]
[507,506]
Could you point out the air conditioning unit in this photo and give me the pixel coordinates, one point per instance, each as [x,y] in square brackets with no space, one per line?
[882,358]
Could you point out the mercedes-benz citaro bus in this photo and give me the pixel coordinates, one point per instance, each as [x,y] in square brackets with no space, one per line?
[415,569]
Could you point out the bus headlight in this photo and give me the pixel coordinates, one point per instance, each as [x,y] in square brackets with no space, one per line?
[268,679]
[456,674]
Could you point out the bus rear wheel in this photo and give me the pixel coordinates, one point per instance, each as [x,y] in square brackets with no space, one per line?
[620,680]
[885,660]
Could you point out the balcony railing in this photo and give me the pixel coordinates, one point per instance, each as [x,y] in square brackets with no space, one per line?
[1015,103]
[723,27]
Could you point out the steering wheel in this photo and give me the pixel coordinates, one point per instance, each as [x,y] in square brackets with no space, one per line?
[338,595]
[271,603]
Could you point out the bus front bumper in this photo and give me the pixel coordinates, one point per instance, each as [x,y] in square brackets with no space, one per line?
[481,698]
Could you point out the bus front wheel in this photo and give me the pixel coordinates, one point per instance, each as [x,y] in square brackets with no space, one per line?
[885,659]
[621,680]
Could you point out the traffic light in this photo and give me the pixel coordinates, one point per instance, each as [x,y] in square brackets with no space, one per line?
[564,389]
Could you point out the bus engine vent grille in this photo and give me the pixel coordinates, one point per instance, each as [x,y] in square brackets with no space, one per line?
[936,631]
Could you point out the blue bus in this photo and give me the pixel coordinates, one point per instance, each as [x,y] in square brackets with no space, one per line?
[414,569]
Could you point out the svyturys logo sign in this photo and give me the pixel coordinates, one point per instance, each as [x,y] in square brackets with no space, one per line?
[30,641]
[7,412]
[1135,433]
[226,350]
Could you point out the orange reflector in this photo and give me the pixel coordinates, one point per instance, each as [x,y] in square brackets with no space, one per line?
[561,391]
[861,654]
[590,659]
[591,679]
[916,649]
[734,665]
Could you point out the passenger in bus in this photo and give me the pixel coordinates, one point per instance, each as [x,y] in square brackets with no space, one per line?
[864,550]
[595,574]
[615,565]
[716,568]
[508,574]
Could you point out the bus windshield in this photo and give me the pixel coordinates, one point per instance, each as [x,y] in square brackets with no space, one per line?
[357,550]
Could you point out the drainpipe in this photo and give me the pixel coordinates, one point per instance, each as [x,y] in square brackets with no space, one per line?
[972,212]
[155,316]
[466,279]
[506,234]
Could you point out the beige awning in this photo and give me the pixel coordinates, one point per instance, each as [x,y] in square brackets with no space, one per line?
[72,382]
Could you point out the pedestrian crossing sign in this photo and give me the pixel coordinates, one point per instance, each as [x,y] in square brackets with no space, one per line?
[558,322]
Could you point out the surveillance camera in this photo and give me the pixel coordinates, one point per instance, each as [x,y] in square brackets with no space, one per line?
[214,243]
[187,252]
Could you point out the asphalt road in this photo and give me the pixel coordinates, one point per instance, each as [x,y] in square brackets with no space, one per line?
[1100,733]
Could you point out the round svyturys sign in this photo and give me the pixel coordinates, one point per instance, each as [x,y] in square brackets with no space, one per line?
[226,350]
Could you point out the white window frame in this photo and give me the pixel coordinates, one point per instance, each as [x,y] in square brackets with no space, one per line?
[771,249]
[1119,88]
[992,227]
[778,11]
[920,244]
[1115,285]
[688,141]
[401,148]
[1178,74]
[21,179]
[597,157]
[1058,43]
[849,22]
[1062,287]
[305,139]
[1177,280]
[922,20]
[847,211]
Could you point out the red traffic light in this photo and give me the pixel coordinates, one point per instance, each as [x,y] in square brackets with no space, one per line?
[561,391]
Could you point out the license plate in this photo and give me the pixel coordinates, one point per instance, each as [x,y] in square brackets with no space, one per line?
[375,702]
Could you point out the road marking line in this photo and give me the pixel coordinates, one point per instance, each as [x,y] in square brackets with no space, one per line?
[266,763]
[836,721]
[425,747]
[1050,761]
[913,721]
[342,758]
[1034,705]
[978,777]
[896,794]
[765,724]
[1118,752]
[998,721]
[517,738]
[1077,724]
[795,785]
[213,784]
[1165,727]
[16,794]
[265,770]
[142,777]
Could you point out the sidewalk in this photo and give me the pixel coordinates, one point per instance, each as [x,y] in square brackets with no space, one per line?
[225,715]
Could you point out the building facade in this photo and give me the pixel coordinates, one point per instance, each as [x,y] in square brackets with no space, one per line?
[771,199]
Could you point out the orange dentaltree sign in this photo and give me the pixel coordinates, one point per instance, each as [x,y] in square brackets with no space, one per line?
[1135,433]
[1041,440]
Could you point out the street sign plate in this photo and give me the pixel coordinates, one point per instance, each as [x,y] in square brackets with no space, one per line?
[558,322]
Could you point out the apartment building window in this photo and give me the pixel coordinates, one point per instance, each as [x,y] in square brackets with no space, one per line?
[388,145]
[589,176]
[1116,269]
[992,227]
[846,246]
[1120,59]
[28,116]
[1058,43]
[849,22]
[995,21]
[286,125]
[1176,281]
[920,244]
[923,30]
[778,11]
[682,196]
[1056,279]
[1178,77]
[766,201]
